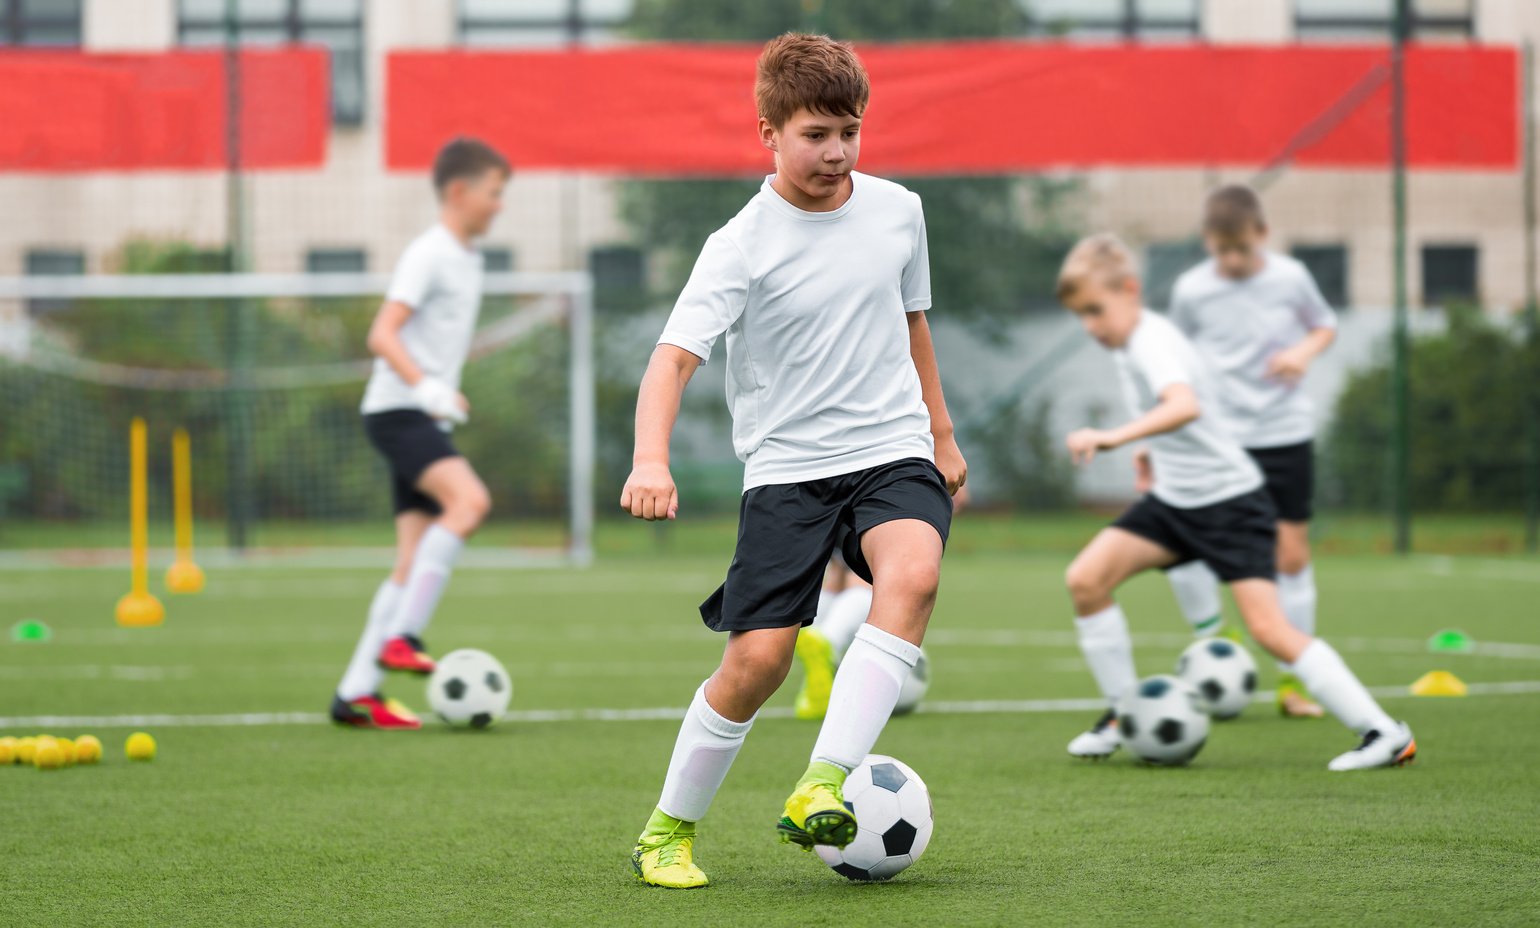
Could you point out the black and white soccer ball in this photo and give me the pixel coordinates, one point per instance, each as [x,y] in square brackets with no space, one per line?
[469,688]
[915,685]
[1222,672]
[1162,721]
[893,821]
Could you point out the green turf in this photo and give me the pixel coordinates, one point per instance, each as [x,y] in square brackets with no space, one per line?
[531,823]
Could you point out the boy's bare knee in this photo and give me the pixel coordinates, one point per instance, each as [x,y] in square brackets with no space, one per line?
[1084,583]
[1292,561]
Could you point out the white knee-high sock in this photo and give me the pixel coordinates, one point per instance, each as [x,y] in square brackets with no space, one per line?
[1296,592]
[1329,680]
[431,566]
[1108,650]
[865,691]
[845,616]
[705,750]
[363,675]
[1197,596]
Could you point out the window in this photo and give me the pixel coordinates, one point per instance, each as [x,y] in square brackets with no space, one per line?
[336,260]
[1164,262]
[496,259]
[620,277]
[40,22]
[1449,274]
[336,24]
[1352,20]
[53,262]
[1328,265]
[542,22]
[1114,19]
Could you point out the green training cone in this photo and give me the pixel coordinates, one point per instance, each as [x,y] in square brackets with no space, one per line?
[30,630]
[1451,641]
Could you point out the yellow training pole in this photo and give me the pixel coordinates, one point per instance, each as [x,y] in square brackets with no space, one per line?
[183,576]
[138,607]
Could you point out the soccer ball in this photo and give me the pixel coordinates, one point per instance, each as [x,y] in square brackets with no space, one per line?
[1162,721]
[1222,672]
[893,818]
[469,688]
[915,685]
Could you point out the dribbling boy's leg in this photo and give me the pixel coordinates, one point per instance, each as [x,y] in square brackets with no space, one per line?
[1197,596]
[713,730]
[465,503]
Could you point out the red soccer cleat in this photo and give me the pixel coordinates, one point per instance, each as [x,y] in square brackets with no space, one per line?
[373,712]
[408,653]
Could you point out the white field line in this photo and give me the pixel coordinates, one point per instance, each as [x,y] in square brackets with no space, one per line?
[661,713]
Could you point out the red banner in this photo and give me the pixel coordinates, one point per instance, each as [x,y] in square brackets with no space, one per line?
[984,107]
[66,111]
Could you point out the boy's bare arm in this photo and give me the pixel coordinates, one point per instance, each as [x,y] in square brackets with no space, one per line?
[949,458]
[385,341]
[649,492]
[1178,406]
[438,399]
[1290,364]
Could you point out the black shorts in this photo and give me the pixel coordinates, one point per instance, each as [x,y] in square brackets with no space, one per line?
[409,440]
[787,531]
[1289,472]
[1237,537]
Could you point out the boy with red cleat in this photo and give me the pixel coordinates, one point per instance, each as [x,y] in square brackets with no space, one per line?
[420,339]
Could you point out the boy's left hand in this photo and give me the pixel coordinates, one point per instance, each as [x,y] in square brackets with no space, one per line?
[949,460]
[1288,365]
[1084,443]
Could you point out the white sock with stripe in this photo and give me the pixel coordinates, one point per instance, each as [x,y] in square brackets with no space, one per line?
[1197,596]
[1296,593]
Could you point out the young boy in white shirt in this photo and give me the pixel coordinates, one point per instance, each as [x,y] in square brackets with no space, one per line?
[820,285]
[1259,320]
[1207,502]
[420,338]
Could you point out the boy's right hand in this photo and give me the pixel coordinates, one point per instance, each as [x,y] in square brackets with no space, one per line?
[650,493]
[439,400]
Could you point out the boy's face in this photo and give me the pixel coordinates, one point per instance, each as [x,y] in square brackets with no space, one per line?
[1238,255]
[1108,314]
[476,201]
[814,152]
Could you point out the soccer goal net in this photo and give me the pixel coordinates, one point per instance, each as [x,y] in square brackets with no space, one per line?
[265,372]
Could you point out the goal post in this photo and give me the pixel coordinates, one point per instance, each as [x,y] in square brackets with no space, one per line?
[266,372]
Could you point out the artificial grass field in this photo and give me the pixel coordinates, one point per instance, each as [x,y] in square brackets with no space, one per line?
[532,822]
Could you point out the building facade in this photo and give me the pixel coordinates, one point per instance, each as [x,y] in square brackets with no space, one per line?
[1466,228]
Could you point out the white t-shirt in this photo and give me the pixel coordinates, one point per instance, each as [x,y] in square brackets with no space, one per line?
[1200,463]
[1238,325]
[440,279]
[819,376]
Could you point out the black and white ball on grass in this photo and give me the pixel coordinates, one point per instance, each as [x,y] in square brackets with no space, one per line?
[893,821]
[470,689]
[1162,721]
[915,685]
[1222,672]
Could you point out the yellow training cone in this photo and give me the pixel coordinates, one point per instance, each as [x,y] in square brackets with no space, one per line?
[1439,683]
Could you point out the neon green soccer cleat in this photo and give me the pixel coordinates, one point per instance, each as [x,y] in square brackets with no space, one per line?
[817,657]
[664,854]
[816,812]
[1294,702]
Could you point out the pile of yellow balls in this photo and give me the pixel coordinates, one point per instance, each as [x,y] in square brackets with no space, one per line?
[46,752]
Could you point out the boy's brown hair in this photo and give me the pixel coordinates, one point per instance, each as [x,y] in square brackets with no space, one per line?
[798,70]
[1233,210]
[466,158]
[1102,256]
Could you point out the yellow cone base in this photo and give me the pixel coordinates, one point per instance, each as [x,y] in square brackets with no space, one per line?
[184,577]
[1439,683]
[140,610]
